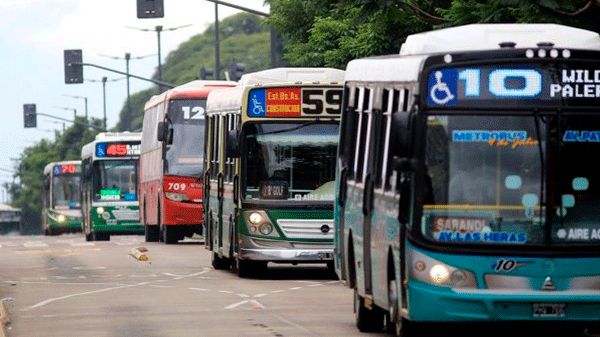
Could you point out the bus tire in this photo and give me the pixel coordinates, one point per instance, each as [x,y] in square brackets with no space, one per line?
[169,234]
[220,263]
[151,233]
[367,320]
[89,237]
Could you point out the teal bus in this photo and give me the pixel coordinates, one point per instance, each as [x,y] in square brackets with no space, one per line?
[61,200]
[110,203]
[466,184]
[271,144]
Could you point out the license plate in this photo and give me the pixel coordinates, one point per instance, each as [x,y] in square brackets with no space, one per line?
[549,309]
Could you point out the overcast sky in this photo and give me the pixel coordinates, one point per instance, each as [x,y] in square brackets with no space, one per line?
[34,33]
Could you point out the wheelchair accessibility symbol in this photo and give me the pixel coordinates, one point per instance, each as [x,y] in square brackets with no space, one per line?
[257,103]
[442,87]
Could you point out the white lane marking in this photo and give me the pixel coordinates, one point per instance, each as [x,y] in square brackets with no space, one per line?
[159,286]
[315,285]
[293,324]
[333,282]
[200,289]
[226,291]
[179,277]
[50,300]
[82,244]
[277,291]
[35,244]
[295,288]
[243,295]
[260,295]
[69,283]
[257,304]
[88,267]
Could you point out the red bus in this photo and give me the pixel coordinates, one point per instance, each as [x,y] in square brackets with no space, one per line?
[171,168]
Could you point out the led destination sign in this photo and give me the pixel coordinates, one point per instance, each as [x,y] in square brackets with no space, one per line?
[573,84]
[121,149]
[295,102]
[66,169]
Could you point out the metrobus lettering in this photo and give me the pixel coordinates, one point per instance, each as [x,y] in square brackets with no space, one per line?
[581,136]
[489,237]
[577,90]
[459,224]
[486,136]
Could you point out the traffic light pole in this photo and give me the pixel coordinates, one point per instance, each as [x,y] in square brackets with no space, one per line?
[170,85]
[70,121]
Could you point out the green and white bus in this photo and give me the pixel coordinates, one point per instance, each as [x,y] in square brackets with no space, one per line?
[110,202]
[467,181]
[270,152]
[61,211]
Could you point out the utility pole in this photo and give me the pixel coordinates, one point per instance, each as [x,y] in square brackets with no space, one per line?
[217,45]
[104,79]
[86,104]
[129,113]
[65,108]
[158,30]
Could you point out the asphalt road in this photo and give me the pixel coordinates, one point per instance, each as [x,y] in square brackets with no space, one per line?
[64,286]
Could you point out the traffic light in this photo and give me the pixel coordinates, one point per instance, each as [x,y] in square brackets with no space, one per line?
[236,70]
[149,9]
[29,116]
[73,66]
[204,73]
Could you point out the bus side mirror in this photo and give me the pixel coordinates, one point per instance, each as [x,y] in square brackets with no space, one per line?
[232,149]
[47,183]
[161,132]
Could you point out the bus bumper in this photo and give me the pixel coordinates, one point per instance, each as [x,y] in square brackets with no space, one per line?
[283,251]
[429,303]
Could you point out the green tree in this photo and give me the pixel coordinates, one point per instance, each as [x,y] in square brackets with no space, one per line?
[27,193]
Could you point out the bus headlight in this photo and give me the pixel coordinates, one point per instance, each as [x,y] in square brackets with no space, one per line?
[61,218]
[439,273]
[426,269]
[255,218]
[100,210]
[176,196]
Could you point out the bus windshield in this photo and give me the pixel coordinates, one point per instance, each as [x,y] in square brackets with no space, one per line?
[115,180]
[484,180]
[185,155]
[290,161]
[66,192]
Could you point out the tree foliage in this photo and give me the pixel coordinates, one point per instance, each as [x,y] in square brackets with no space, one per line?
[332,32]
[27,193]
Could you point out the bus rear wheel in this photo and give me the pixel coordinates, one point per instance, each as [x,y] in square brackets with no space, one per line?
[220,263]
[367,320]
[151,233]
[169,234]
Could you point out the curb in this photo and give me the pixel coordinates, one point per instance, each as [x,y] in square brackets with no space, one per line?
[138,253]
[4,320]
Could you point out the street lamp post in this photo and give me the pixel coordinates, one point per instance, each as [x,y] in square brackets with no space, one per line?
[65,108]
[86,104]
[104,80]
[158,30]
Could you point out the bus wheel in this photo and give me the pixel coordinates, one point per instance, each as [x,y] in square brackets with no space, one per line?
[395,321]
[220,263]
[89,237]
[367,320]
[48,231]
[169,234]
[151,233]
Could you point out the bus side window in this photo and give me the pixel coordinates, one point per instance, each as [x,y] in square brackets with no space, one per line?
[349,133]
[363,120]
[396,106]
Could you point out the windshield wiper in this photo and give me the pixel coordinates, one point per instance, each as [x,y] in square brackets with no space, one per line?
[537,118]
[292,129]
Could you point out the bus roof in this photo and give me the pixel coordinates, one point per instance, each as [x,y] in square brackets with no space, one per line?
[489,36]
[48,168]
[88,149]
[230,99]
[191,89]
[294,75]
